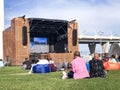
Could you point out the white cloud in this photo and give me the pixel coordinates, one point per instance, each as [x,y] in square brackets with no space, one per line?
[92,15]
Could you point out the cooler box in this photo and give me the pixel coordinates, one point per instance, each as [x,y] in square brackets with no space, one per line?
[41,68]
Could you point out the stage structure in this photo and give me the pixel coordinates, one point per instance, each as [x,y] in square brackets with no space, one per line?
[34,37]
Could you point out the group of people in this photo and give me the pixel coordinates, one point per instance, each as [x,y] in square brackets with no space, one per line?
[79,69]
[114,58]
[29,64]
[76,69]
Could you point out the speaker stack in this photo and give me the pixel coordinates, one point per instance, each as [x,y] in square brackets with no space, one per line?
[24,35]
[74,38]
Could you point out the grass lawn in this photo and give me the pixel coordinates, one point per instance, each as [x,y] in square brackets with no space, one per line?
[13,78]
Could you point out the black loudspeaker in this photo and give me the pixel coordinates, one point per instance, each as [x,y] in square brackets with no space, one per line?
[74,37]
[24,35]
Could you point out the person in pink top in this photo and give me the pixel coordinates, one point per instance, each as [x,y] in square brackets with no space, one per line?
[79,69]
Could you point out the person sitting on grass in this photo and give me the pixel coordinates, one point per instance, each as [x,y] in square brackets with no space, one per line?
[26,65]
[112,59]
[62,66]
[52,64]
[96,67]
[1,63]
[79,70]
[38,62]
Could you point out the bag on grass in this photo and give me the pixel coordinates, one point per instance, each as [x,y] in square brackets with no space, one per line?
[88,66]
[111,66]
[41,68]
[53,67]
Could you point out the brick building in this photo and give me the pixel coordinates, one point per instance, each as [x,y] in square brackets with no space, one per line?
[34,37]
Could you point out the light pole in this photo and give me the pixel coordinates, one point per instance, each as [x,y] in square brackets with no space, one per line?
[101,34]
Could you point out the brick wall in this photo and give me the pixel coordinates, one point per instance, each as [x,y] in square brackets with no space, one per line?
[12,42]
[71,27]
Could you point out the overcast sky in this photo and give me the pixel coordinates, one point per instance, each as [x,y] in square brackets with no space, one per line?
[93,16]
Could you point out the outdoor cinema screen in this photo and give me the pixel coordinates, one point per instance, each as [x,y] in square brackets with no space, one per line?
[39,45]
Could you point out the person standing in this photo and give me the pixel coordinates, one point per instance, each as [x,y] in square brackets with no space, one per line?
[8,61]
[79,70]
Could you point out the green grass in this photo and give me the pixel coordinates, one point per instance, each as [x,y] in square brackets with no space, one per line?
[11,78]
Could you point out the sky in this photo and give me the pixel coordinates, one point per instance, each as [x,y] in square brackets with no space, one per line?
[93,16]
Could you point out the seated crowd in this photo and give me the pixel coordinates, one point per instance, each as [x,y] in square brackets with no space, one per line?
[79,68]
[80,71]
[28,64]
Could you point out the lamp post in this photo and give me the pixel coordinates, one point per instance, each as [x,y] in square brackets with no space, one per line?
[101,34]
